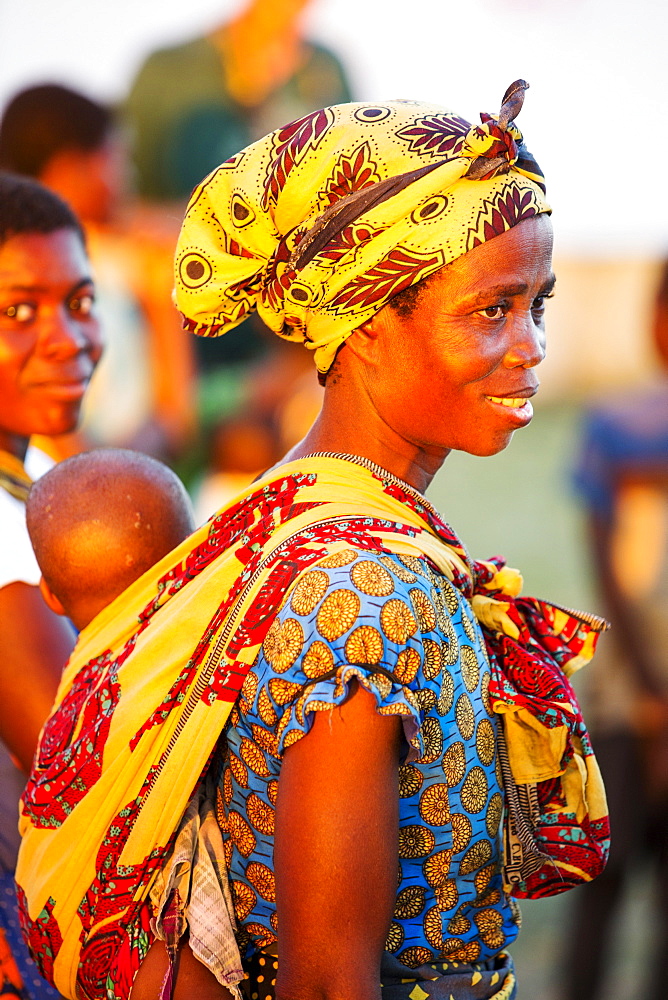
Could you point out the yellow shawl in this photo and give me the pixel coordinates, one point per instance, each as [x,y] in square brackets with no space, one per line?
[150,686]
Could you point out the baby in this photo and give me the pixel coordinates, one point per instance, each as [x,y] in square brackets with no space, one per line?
[98,521]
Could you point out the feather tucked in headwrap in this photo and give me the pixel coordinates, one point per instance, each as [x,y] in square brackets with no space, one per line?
[320,223]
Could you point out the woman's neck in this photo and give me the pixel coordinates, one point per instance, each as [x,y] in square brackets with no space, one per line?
[346,425]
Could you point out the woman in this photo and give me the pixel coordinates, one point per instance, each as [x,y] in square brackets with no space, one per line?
[337,618]
[49,345]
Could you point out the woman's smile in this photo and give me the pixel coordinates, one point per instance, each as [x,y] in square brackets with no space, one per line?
[518,409]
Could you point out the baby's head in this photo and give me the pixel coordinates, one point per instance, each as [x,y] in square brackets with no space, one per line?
[98,521]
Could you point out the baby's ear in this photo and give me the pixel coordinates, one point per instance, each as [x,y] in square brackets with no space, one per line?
[50,598]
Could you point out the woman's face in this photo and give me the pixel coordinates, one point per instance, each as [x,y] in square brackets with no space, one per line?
[459,371]
[49,334]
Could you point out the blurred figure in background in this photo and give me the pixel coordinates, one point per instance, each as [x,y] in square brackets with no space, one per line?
[196,104]
[281,397]
[142,394]
[240,448]
[622,476]
[49,346]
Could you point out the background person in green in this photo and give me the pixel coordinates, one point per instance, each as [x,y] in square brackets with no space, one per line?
[194,105]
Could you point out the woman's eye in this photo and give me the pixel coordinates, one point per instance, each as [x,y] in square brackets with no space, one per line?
[493,312]
[538,304]
[82,304]
[22,312]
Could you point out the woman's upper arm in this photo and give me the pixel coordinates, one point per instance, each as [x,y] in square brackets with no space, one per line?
[34,647]
[335,852]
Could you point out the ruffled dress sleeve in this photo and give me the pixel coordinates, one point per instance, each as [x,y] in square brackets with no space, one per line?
[350,618]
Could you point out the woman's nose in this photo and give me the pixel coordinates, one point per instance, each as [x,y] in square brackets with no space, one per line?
[65,336]
[527,348]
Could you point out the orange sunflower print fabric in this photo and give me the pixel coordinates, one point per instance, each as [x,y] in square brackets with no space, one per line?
[429,666]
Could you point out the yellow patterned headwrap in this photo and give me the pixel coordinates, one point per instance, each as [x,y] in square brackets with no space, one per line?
[320,223]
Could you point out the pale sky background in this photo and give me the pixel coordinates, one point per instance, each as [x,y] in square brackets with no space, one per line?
[595,117]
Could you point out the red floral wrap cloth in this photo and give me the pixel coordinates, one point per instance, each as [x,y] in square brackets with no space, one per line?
[557,828]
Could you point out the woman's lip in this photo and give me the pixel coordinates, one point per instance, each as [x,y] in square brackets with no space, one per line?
[517,409]
[523,392]
[73,389]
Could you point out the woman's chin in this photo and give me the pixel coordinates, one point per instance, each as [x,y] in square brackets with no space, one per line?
[485,449]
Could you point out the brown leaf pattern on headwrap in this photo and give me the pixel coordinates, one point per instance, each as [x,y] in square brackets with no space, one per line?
[436,134]
[397,271]
[278,276]
[352,173]
[292,142]
[507,209]
[350,239]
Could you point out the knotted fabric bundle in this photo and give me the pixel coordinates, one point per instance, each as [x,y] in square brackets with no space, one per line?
[319,224]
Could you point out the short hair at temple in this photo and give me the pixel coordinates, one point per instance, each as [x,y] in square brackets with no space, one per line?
[28,207]
[99,520]
[405,303]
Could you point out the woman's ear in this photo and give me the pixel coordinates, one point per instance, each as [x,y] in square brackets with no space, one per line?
[50,598]
[363,342]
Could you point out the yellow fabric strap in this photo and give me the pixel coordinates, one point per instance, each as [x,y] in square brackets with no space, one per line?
[13,476]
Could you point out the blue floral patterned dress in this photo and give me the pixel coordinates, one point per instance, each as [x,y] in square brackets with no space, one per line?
[410,638]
